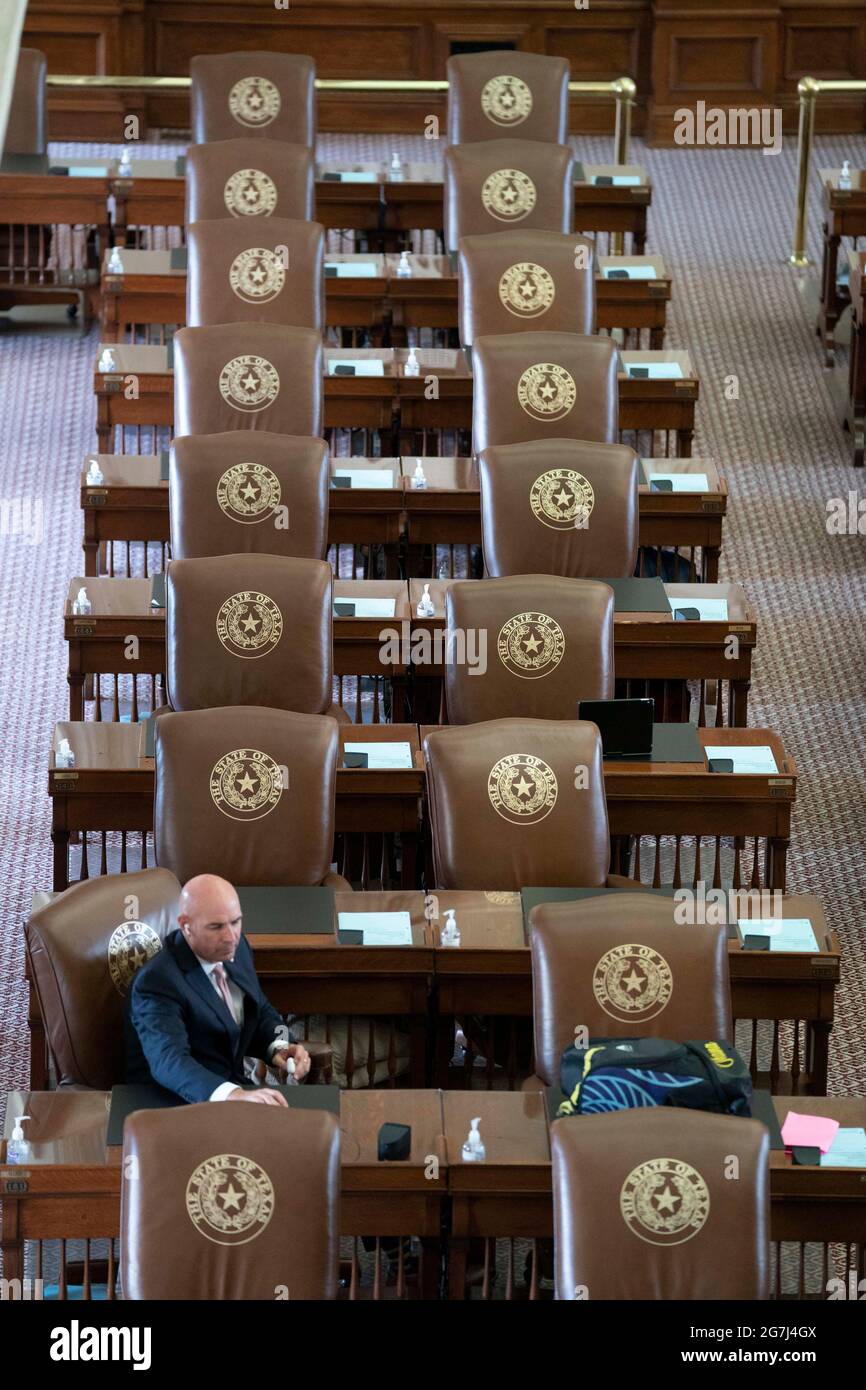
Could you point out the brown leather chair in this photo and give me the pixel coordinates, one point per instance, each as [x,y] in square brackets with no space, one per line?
[514,281]
[623,969]
[247,793]
[263,270]
[504,92]
[249,630]
[248,376]
[241,493]
[560,506]
[505,810]
[26,129]
[253,94]
[245,1197]
[249,178]
[531,386]
[644,1206]
[492,185]
[549,644]
[83,949]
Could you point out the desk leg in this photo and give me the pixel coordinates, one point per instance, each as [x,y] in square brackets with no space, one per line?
[818,1052]
[409,867]
[777,862]
[657,339]
[710,563]
[458,1249]
[75,680]
[11,1242]
[60,841]
[857,390]
[684,443]
[830,303]
[738,717]
[431,1264]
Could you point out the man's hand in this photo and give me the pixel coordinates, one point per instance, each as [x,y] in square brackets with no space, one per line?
[301,1059]
[264,1096]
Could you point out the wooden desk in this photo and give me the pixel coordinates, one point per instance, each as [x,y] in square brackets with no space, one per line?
[509,1195]
[385,209]
[392,403]
[844,216]
[654,801]
[35,205]
[489,979]
[857,356]
[151,292]
[653,654]
[110,789]
[72,1188]
[131,505]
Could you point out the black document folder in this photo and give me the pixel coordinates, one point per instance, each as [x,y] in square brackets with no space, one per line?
[287,911]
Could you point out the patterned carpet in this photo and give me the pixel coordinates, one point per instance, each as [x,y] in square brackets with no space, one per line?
[722,219]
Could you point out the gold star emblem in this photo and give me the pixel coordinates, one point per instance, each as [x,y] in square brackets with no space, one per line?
[250,382]
[531,644]
[666,1200]
[250,623]
[247,784]
[230,1197]
[634,981]
[523,788]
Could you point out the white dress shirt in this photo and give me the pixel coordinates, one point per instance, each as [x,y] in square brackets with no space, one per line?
[236,994]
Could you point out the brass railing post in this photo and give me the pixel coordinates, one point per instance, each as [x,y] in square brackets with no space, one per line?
[625,90]
[808,88]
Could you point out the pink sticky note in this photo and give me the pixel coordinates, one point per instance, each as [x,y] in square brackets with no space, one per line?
[808,1131]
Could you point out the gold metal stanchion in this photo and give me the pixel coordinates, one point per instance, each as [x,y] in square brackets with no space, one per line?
[625,95]
[808,88]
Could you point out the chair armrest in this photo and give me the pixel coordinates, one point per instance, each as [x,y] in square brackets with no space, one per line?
[622,881]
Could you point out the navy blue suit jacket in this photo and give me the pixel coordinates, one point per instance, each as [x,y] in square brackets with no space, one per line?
[179,1032]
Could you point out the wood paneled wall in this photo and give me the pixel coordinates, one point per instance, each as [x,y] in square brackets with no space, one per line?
[678,52]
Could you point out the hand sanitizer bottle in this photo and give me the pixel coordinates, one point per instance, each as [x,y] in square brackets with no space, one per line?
[106,361]
[64,756]
[95,475]
[413,366]
[474,1150]
[419,478]
[115,262]
[125,166]
[396,168]
[403,265]
[845,175]
[450,932]
[425,607]
[18,1148]
[81,604]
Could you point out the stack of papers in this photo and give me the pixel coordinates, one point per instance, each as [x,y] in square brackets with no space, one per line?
[634,272]
[379,928]
[808,1131]
[681,482]
[746,759]
[785,933]
[369,607]
[656,371]
[362,366]
[848,1150]
[352,270]
[383,755]
[366,477]
[711,610]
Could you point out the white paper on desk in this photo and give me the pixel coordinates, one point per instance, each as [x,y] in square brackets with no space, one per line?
[370,607]
[353,270]
[634,272]
[682,482]
[390,756]
[85,171]
[379,928]
[619,180]
[657,371]
[848,1150]
[366,477]
[712,610]
[364,366]
[746,759]
[357,176]
[785,933]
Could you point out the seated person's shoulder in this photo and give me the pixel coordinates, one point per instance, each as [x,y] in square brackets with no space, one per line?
[159,969]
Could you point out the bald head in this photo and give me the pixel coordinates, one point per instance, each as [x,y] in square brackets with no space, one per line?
[210,917]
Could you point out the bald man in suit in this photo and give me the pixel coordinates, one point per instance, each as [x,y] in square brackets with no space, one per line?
[196,1010]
